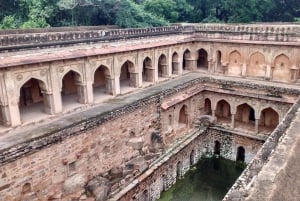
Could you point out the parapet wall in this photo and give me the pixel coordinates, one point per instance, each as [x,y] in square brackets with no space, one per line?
[20,39]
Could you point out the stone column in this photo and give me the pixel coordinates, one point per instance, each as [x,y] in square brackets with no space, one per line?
[82,93]
[14,112]
[294,74]
[210,66]
[232,120]
[213,113]
[5,117]
[225,69]
[117,88]
[256,125]
[271,72]
[109,86]
[150,73]
[89,92]
[244,70]
[49,104]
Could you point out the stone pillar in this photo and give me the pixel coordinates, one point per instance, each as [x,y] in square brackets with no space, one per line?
[5,118]
[294,74]
[256,125]
[244,70]
[109,86]
[150,74]
[225,69]
[213,113]
[89,92]
[14,113]
[82,93]
[232,120]
[49,104]
[210,66]
[117,88]
[271,72]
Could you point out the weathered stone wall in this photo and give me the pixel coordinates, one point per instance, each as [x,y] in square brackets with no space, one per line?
[92,152]
[173,165]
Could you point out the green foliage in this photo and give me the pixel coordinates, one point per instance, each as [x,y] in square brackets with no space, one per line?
[132,15]
[8,22]
[142,13]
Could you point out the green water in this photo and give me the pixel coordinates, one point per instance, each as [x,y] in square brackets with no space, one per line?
[210,180]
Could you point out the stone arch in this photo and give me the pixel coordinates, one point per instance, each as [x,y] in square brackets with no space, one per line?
[217,148]
[33,102]
[186,62]
[164,183]
[179,170]
[127,76]
[240,155]
[234,65]
[223,112]
[148,71]
[183,116]
[207,107]
[102,81]
[202,60]
[162,69]
[192,158]
[26,189]
[281,68]
[175,63]
[257,65]
[71,88]
[218,60]
[269,119]
[245,116]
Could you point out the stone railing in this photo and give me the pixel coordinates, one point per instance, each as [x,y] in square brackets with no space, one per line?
[240,188]
[252,32]
[12,42]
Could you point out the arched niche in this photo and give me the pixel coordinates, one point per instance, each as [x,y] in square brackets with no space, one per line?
[257,65]
[202,60]
[33,103]
[234,66]
[162,68]
[223,112]
[72,92]
[102,82]
[269,119]
[175,64]
[281,68]
[148,71]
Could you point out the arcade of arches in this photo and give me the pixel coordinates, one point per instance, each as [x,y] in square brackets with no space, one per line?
[76,86]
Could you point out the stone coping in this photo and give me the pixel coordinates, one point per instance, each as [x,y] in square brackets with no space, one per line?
[27,139]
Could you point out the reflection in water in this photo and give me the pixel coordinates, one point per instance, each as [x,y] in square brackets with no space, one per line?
[209,181]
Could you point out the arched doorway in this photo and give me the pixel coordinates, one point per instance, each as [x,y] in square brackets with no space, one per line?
[192,158]
[164,184]
[183,118]
[257,65]
[31,102]
[234,66]
[245,117]
[148,72]
[175,64]
[71,90]
[202,61]
[240,156]
[217,148]
[162,66]
[281,69]
[102,81]
[269,119]
[218,67]
[179,170]
[223,112]
[186,63]
[207,107]
[127,78]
